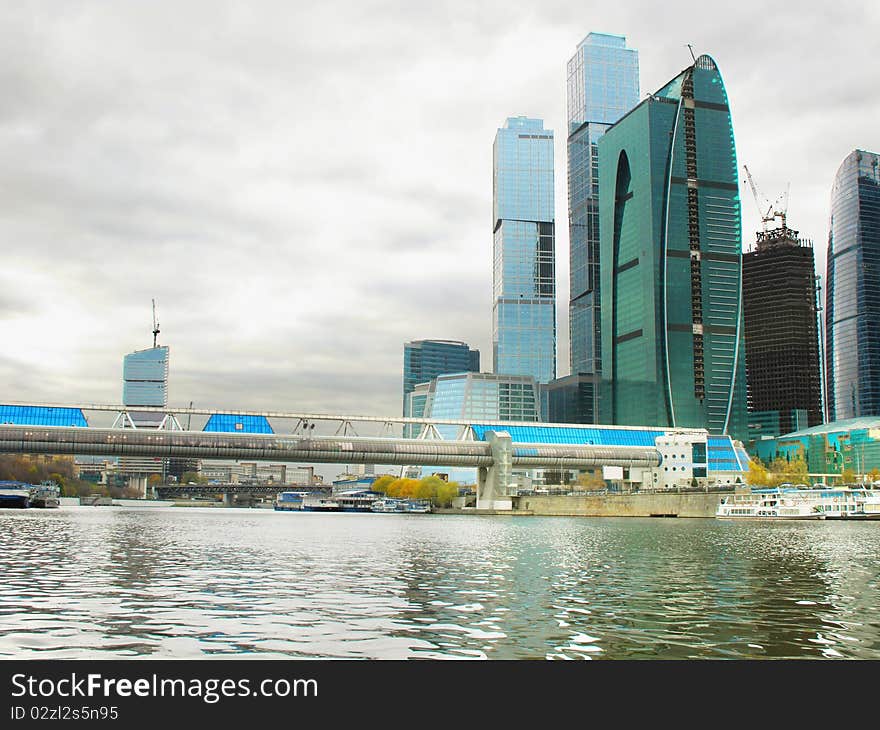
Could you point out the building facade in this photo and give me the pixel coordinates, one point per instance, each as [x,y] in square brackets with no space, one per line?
[603,85]
[573,398]
[424,360]
[145,383]
[524,267]
[838,452]
[481,397]
[781,331]
[671,252]
[852,307]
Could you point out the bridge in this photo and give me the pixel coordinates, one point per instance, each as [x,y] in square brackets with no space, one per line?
[494,449]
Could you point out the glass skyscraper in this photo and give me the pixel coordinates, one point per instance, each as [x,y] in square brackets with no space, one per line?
[145,383]
[424,360]
[603,85]
[481,398]
[852,309]
[671,251]
[524,267]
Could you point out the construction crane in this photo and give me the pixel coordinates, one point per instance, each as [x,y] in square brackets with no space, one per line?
[772,210]
[155,324]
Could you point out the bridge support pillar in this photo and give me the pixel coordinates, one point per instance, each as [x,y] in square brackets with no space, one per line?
[493,481]
[228,499]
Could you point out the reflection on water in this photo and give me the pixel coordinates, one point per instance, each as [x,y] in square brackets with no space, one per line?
[102,582]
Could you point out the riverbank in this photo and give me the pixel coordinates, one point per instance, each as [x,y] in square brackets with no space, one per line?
[687,504]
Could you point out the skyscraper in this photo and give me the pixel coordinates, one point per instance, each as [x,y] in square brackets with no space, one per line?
[671,253]
[603,85]
[145,382]
[852,309]
[781,331]
[424,360]
[524,268]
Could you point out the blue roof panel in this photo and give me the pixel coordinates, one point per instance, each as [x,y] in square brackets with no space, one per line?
[229,423]
[598,435]
[42,416]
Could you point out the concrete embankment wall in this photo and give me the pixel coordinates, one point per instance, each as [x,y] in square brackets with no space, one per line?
[699,504]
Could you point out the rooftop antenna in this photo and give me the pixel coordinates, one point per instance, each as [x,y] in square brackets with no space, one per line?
[691,49]
[155,324]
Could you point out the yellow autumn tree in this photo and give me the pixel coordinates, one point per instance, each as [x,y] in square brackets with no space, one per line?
[758,475]
[382,483]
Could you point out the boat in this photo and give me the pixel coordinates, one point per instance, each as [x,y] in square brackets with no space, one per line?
[418,506]
[15,494]
[770,504]
[357,500]
[838,503]
[320,504]
[45,495]
[388,505]
[290,501]
[401,506]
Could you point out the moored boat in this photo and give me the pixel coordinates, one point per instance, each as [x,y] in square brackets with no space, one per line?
[290,501]
[15,494]
[769,504]
[320,504]
[45,496]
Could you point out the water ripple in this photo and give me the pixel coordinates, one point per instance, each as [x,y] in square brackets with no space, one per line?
[102,582]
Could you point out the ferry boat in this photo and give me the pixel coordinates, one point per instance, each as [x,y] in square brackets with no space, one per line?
[418,506]
[356,500]
[769,504]
[845,503]
[320,504]
[388,505]
[401,506]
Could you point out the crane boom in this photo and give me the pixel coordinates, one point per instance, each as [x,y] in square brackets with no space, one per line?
[155,324]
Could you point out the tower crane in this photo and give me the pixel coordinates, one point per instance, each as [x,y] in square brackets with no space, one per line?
[155,324]
[773,210]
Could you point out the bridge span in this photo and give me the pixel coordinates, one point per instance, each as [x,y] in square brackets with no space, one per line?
[657,457]
[494,458]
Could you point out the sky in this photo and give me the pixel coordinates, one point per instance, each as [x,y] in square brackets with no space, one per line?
[303,187]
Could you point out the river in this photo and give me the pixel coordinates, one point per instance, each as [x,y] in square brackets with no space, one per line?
[114,582]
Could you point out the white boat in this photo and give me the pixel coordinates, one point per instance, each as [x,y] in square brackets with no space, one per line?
[418,506]
[769,504]
[840,503]
[320,504]
[388,505]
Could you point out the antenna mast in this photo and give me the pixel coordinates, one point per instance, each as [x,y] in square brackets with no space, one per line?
[155,324]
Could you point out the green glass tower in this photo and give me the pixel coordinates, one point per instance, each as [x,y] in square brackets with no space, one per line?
[671,253]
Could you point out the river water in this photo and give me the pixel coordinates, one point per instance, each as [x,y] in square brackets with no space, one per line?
[112,582]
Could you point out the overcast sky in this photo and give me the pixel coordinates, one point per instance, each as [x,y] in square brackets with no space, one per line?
[303,187]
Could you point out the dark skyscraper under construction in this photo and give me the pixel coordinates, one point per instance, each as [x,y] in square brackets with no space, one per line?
[781,332]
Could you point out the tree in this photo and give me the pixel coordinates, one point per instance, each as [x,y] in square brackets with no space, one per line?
[848,476]
[382,483]
[758,475]
[874,474]
[154,480]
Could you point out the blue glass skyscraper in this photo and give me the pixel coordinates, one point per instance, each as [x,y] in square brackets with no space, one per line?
[424,360]
[524,267]
[145,383]
[603,85]
[852,311]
